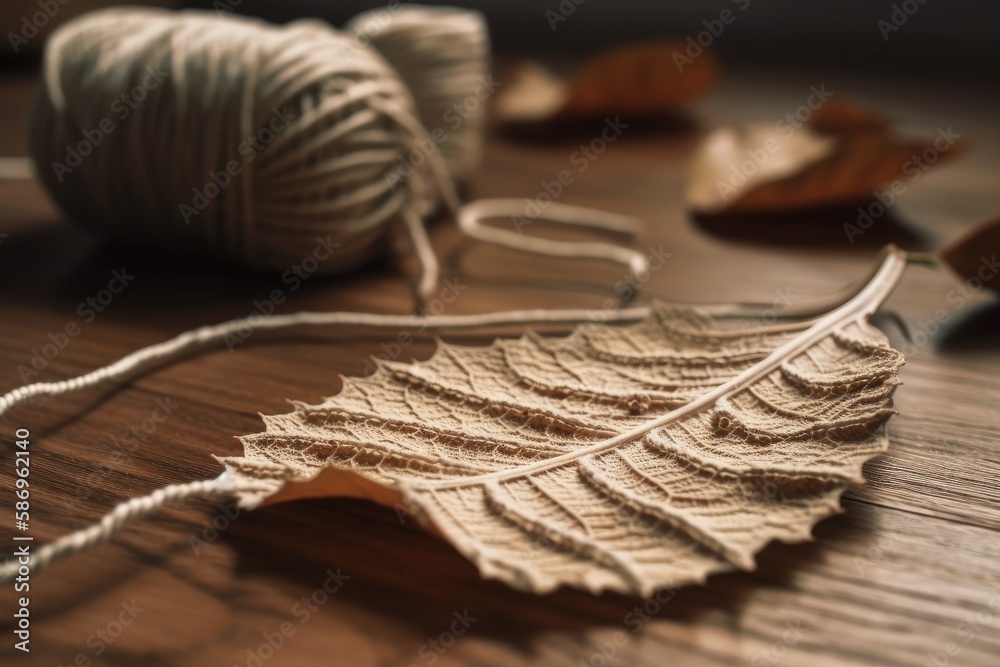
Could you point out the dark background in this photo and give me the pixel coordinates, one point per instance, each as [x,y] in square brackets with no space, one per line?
[940,41]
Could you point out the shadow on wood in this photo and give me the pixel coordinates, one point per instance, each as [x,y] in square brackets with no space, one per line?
[585,129]
[398,570]
[840,228]
[976,330]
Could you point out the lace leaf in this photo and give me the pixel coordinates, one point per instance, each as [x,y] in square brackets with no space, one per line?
[618,458]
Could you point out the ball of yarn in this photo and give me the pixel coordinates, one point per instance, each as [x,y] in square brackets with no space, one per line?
[258,143]
[442,54]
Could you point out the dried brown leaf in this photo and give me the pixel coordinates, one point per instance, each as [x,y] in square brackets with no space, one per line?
[846,155]
[622,458]
[973,257]
[837,116]
[638,80]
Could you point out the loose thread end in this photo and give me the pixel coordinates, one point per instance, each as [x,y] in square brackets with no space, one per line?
[923,259]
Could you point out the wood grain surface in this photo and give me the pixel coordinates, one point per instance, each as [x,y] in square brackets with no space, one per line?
[909,574]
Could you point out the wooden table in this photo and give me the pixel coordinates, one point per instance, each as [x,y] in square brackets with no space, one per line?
[908,575]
